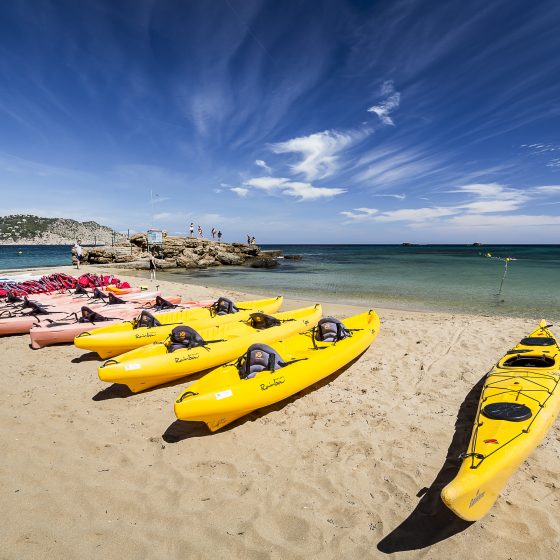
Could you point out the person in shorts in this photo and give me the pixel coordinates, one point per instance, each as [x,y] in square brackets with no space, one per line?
[79,252]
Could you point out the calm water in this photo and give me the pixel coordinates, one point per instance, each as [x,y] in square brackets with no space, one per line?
[33,256]
[445,277]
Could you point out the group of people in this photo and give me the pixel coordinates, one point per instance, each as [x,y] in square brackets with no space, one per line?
[251,240]
[216,233]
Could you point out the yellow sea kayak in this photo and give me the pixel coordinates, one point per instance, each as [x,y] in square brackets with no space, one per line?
[186,351]
[266,375]
[519,403]
[122,337]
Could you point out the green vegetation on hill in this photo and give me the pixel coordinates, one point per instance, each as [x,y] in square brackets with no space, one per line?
[29,228]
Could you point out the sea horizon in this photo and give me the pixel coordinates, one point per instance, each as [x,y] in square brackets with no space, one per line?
[422,277]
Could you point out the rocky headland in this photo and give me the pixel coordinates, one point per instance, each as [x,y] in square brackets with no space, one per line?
[179,252]
[26,229]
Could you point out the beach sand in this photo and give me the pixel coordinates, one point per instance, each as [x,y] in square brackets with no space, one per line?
[349,468]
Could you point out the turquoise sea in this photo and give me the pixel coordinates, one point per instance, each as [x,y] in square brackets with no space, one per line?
[443,277]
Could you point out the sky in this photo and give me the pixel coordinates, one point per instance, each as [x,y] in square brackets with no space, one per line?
[307,121]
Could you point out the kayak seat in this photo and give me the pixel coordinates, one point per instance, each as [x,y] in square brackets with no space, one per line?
[146,319]
[223,306]
[330,329]
[184,337]
[259,357]
[530,362]
[114,300]
[162,304]
[90,316]
[261,321]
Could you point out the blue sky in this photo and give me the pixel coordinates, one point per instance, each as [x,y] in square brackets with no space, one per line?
[309,121]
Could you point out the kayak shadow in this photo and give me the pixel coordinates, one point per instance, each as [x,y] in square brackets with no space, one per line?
[121,391]
[431,521]
[87,357]
[181,429]
[114,391]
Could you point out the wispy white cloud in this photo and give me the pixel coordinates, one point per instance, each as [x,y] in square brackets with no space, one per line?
[240,191]
[485,204]
[320,152]
[360,214]
[400,196]
[297,189]
[492,198]
[388,105]
[548,189]
[262,164]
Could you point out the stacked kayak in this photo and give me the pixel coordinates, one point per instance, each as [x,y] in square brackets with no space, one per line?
[19,320]
[266,374]
[59,331]
[187,351]
[147,328]
[519,403]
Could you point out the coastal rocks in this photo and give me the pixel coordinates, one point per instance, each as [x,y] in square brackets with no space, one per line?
[263,262]
[181,252]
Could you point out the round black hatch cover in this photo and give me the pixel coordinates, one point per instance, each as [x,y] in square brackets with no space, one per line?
[513,412]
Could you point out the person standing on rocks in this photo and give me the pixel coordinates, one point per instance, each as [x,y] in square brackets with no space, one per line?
[78,251]
[214,231]
[219,235]
[200,231]
[191,230]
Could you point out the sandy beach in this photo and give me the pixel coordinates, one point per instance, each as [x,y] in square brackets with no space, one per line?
[349,468]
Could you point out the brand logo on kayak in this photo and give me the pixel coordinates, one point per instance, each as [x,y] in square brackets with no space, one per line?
[188,357]
[276,381]
[477,498]
[147,335]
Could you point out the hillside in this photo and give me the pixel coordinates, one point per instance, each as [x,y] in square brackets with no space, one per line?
[25,229]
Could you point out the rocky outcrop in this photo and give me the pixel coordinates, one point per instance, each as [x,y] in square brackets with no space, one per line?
[179,252]
[26,229]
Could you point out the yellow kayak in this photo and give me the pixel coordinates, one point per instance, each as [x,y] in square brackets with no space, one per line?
[118,338]
[519,403]
[266,375]
[187,351]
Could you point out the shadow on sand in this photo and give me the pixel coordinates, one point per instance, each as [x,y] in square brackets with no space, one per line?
[431,521]
[120,391]
[87,357]
[180,429]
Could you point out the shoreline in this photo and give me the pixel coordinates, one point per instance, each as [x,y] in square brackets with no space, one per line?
[140,275]
[335,471]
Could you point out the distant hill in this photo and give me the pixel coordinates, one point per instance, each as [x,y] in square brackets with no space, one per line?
[25,229]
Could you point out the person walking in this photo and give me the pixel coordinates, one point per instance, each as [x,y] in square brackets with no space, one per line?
[200,232]
[153,267]
[191,230]
[78,251]
[214,231]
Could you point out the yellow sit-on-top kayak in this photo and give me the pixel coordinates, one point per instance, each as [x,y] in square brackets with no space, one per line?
[519,402]
[267,374]
[118,338]
[187,351]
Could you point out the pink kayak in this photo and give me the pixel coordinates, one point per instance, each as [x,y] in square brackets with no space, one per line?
[38,314]
[46,334]
[57,298]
